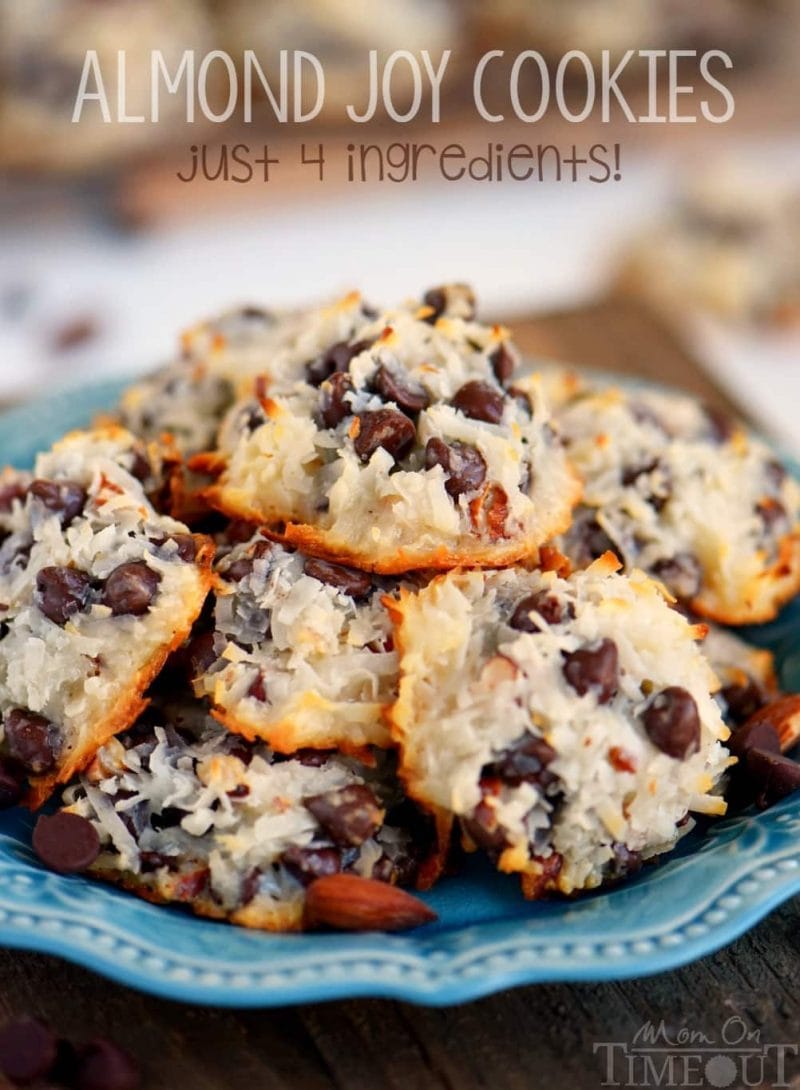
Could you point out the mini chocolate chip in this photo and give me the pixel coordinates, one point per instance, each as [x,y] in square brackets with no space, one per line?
[464,466]
[594,668]
[62,592]
[66,843]
[681,574]
[672,722]
[199,654]
[64,498]
[479,401]
[591,539]
[169,818]
[759,734]
[743,700]
[130,588]
[28,1050]
[775,473]
[437,299]
[524,761]
[349,816]
[357,584]
[631,474]
[336,358]
[258,689]
[32,740]
[552,609]
[186,545]
[774,776]
[771,512]
[503,364]
[105,1066]
[333,407]
[12,783]
[483,828]
[306,864]
[385,428]
[407,395]
[14,490]
[140,465]
[254,313]
[625,861]
[238,569]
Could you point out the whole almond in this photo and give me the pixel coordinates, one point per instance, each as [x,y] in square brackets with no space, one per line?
[783,714]
[350,903]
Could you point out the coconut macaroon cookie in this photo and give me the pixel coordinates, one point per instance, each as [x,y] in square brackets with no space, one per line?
[186,812]
[687,495]
[412,451]
[301,654]
[568,723]
[96,589]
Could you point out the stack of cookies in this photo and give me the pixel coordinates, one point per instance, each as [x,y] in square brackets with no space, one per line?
[452,608]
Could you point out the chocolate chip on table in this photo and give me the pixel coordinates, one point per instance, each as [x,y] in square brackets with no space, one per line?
[548,606]
[28,1050]
[503,364]
[773,776]
[12,783]
[32,740]
[479,401]
[349,816]
[402,390]
[758,734]
[62,592]
[64,498]
[66,843]
[594,668]
[385,428]
[357,584]
[306,864]
[672,722]
[464,466]
[336,358]
[524,761]
[333,407]
[130,588]
[103,1065]
[681,574]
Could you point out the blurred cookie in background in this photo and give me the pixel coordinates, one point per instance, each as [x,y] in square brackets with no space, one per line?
[729,246]
[554,27]
[340,33]
[43,46]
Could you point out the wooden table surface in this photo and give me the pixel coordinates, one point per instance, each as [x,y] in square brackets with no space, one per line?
[522,1039]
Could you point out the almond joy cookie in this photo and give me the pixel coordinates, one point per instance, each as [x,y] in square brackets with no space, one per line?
[183,811]
[687,495]
[96,589]
[409,451]
[567,723]
[301,653]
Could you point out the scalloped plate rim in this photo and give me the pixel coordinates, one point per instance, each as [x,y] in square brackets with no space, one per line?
[398,967]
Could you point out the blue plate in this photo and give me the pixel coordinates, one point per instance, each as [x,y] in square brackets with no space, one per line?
[715,886]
